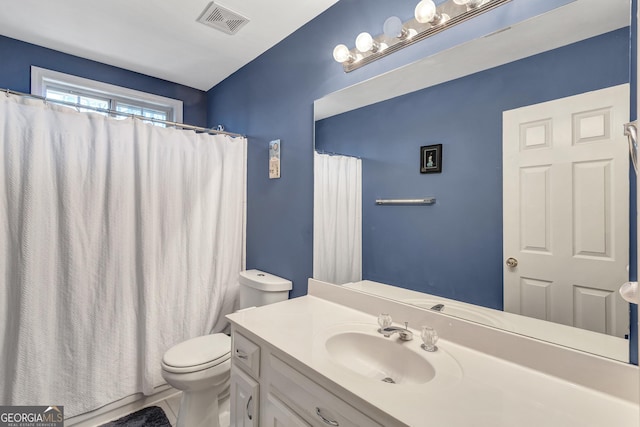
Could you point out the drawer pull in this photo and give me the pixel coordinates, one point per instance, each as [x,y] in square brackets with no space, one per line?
[241,354]
[249,403]
[326,421]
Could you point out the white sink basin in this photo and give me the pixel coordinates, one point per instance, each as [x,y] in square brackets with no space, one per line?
[360,349]
[380,358]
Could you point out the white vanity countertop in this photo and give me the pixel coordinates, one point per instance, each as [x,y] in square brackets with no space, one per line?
[492,392]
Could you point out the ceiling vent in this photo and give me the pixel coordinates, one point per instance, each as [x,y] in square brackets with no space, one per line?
[222,19]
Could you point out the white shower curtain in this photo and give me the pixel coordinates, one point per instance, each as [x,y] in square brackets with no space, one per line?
[337,218]
[118,239]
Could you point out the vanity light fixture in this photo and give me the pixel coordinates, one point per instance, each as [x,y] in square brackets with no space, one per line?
[429,19]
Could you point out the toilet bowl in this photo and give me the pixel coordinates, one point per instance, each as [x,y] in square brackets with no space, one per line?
[201,366]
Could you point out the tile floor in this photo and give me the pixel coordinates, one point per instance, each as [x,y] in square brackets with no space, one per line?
[171,405]
[169,402]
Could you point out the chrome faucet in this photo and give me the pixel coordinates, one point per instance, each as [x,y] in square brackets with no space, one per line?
[438,307]
[405,333]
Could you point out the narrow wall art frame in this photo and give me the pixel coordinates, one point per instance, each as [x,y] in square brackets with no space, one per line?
[431,158]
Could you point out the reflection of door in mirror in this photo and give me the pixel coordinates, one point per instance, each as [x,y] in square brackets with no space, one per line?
[565,208]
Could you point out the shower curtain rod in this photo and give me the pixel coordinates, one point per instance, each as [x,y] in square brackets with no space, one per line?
[119,113]
[331,153]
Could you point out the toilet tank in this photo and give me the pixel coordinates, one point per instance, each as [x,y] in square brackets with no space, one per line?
[259,288]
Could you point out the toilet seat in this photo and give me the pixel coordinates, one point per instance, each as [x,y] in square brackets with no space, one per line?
[197,354]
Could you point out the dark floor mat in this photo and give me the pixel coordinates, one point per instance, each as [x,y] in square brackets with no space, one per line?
[153,416]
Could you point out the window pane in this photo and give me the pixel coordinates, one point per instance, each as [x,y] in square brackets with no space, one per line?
[61,96]
[94,102]
[129,109]
[89,93]
[144,112]
[160,115]
[89,99]
[154,114]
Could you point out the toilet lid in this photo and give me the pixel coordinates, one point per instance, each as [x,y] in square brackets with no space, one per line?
[199,351]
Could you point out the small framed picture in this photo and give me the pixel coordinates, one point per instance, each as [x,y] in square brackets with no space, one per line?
[274,159]
[431,159]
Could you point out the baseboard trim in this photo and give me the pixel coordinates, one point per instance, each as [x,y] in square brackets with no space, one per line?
[120,408]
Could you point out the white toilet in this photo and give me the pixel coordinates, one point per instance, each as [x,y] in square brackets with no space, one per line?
[200,367]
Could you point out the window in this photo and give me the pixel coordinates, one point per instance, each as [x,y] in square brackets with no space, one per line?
[77,90]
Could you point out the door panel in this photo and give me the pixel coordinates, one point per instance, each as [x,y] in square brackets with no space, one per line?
[565,210]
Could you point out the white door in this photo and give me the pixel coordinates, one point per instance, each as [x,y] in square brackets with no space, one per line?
[566,209]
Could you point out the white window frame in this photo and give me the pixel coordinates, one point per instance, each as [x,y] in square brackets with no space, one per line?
[41,78]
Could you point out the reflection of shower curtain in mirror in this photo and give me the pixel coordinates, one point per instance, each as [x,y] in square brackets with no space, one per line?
[337,219]
[118,240]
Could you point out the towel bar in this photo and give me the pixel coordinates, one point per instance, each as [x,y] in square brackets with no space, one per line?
[423,201]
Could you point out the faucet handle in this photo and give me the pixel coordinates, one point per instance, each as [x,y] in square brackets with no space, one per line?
[384,320]
[429,338]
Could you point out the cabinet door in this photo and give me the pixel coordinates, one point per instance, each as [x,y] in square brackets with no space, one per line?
[244,399]
[279,415]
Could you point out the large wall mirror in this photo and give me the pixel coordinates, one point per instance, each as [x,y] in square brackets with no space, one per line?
[496,107]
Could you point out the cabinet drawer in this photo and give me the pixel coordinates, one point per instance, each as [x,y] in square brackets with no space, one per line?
[246,354]
[279,415]
[317,405]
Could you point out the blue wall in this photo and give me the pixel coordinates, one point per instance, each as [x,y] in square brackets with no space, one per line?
[18,57]
[454,248]
[272,98]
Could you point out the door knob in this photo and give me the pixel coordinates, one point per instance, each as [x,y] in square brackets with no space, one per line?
[512,262]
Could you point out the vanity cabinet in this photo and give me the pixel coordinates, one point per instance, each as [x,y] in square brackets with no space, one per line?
[287,396]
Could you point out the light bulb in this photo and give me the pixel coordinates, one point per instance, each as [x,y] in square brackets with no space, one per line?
[341,53]
[471,4]
[364,42]
[425,11]
[393,28]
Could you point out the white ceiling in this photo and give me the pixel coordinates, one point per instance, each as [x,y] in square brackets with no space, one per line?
[160,38]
